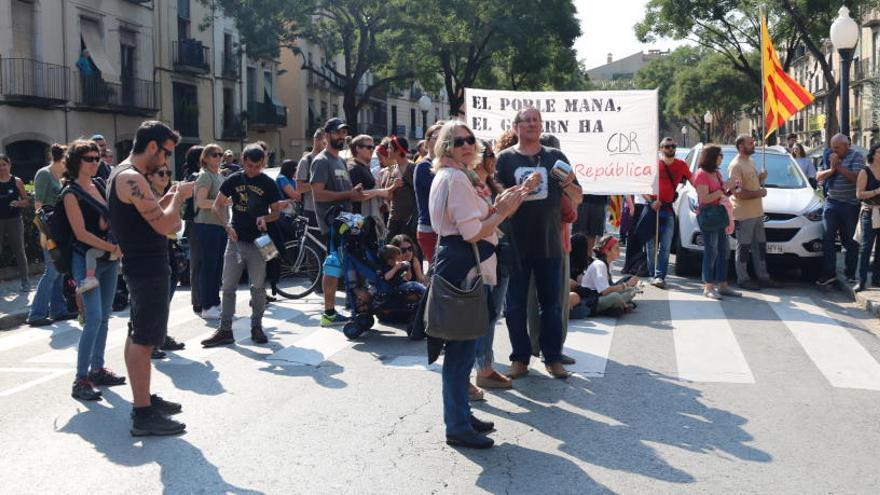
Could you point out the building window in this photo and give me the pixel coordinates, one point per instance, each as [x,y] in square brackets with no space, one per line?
[186,109]
[412,121]
[335,110]
[394,119]
[23,35]
[251,84]
[324,110]
[183,19]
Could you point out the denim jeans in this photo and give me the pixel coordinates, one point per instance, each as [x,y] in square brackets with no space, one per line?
[212,244]
[457,363]
[840,217]
[867,245]
[49,298]
[495,295]
[716,251]
[97,307]
[534,319]
[666,224]
[548,274]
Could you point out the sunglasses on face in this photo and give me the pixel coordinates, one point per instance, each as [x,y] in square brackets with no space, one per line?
[669,146]
[406,249]
[162,173]
[91,159]
[366,146]
[461,141]
[215,155]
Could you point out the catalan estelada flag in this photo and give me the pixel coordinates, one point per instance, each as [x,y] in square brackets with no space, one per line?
[783,96]
[615,205]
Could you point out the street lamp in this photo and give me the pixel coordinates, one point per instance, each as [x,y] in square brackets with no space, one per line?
[684,136]
[707,118]
[425,105]
[844,36]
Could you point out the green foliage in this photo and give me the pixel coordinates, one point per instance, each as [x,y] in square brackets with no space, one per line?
[31,242]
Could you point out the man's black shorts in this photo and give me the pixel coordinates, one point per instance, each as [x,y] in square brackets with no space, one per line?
[148,323]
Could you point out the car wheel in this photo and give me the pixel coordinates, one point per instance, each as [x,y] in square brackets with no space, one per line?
[686,262]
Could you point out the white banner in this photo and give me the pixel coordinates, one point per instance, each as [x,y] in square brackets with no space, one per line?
[610,136]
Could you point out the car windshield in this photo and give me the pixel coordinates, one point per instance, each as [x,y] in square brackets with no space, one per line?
[782,171]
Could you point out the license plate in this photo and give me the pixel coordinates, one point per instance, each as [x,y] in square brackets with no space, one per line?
[774,248]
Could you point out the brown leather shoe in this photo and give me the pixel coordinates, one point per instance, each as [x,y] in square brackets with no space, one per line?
[495,380]
[518,369]
[556,370]
[474,394]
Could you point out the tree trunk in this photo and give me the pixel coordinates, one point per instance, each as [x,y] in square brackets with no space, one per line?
[349,106]
[832,126]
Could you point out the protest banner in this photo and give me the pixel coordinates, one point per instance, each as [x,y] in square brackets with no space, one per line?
[610,137]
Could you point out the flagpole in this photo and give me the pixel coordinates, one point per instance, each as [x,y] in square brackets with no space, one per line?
[763,81]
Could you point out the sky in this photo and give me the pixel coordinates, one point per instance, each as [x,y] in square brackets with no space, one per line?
[606,30]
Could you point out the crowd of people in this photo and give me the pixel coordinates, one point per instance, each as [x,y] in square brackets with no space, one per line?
[455,207]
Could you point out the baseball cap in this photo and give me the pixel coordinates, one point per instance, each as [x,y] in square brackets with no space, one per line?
[97,137]
[334,124]
[253,152]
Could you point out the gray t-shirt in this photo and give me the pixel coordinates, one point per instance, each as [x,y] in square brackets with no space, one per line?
[332,172]
[303,172]
[840,188]
[211,182]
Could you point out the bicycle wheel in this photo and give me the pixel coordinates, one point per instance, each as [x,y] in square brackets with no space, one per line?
[299,279]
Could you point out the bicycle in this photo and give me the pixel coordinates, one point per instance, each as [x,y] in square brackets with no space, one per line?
[302,261]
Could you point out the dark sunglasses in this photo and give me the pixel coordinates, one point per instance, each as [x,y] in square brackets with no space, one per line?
[407,249]
[162,173]
[461,141]
[668,146]
[215,155]
[366,146]
[91,159]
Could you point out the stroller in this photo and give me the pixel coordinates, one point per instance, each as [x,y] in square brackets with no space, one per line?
[368,296]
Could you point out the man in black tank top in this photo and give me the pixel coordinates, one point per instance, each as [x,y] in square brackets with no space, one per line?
[141,225]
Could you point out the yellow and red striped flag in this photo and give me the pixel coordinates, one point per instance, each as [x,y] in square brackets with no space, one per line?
[783,96]
[615,205]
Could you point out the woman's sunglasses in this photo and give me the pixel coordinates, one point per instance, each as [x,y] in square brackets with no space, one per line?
[461,141]
[406,249]
[366,146]
[215,155]
[91,159]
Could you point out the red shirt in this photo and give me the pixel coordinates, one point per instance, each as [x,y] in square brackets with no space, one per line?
[678,170]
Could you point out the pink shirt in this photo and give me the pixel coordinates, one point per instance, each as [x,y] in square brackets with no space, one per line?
[711,181]
[463,214]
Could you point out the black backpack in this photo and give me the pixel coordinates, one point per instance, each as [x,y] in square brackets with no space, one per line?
[52,222]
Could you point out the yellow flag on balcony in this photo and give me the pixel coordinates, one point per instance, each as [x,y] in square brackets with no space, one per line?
[783,96]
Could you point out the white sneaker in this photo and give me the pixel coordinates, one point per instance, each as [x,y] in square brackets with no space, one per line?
[87,284]
[212,313]
[658,283]
[712,294]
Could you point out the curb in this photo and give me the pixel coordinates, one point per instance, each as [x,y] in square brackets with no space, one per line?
[869,304]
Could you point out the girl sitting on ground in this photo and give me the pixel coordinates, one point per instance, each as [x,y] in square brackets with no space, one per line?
[602,295]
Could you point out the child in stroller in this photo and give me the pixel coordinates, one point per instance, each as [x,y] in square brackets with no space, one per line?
[368,294]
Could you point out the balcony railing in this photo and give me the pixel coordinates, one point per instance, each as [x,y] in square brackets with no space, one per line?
[232,128]
[231,65]
[29,80]
[266,114]
[133,95]
[191,55]
[866,69]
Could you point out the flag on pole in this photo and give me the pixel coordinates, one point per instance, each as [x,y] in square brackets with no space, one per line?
[783,96]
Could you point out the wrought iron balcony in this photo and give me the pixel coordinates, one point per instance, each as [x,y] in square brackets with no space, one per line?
[191,55]
[133,96]
[30,81]
[262,115]
[231,65]
[232,128]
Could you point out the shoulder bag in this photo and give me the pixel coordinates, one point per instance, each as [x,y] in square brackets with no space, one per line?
[453,313]
[713,218]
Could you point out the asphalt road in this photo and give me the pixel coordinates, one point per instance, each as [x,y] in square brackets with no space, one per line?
[776,392]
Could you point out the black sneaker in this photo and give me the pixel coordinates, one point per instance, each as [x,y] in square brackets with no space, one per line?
[257,335]
[220,337]
[157,354]
[471,440]
[83,389]
[481,426]
[826,280]
[106,378]
[70,315]
[749,285]
[155,423]
[165,407]
[39,322]
[172,345]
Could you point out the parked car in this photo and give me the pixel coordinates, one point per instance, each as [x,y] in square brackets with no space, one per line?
[792,214]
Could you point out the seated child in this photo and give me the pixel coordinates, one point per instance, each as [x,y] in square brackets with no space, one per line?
[598,293]
[92,255]
[397,272]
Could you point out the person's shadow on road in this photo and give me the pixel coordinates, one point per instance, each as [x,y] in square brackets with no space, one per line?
[184,468]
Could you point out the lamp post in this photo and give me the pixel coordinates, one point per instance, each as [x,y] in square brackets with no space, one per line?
[425,105]
[844,36]
[707,118]
[684,136]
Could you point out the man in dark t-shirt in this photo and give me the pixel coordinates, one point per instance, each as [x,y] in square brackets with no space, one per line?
[537,234]
[141,225]
[255,202]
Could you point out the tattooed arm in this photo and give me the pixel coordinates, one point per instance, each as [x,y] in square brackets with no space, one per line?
[132,188]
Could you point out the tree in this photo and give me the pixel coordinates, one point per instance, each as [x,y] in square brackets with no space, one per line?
[460,39]
[711,85]
[731,28]
[660,73]
[360,30]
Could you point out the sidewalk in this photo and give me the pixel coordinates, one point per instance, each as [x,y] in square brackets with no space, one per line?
[869,299]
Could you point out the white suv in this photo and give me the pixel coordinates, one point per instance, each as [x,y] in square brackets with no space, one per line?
[792,214]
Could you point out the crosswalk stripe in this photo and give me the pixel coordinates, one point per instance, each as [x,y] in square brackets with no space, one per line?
[589,343]
[831,347]
[706,348]
[313,349]
[418,362]
[51,375]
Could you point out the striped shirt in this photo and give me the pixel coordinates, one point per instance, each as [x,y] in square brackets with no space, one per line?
[840,189]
